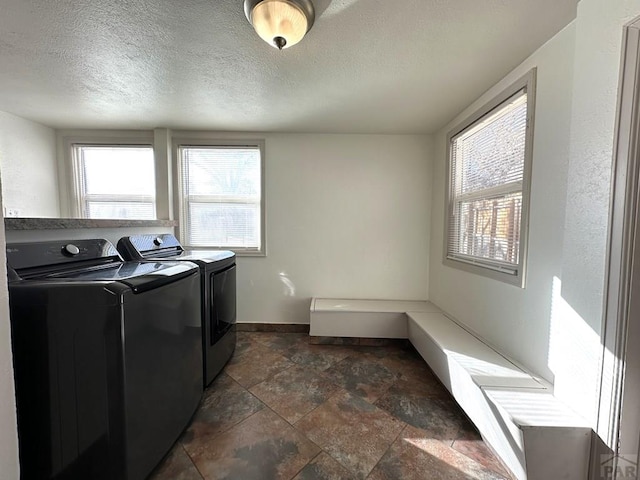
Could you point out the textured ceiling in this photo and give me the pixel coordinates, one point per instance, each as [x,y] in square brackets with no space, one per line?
[366,66]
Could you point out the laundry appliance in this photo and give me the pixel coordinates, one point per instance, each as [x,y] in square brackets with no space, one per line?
[218,286]
[107,358]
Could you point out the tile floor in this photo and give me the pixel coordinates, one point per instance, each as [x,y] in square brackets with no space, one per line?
[285,409]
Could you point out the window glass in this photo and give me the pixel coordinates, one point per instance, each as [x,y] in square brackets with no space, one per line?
[115,181]
[221,196]
[489,168]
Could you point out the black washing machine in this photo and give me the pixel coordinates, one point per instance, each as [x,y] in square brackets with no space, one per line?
[218,284]
[107,358]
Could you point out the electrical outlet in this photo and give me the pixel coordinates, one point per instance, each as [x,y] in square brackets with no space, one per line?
[11,212]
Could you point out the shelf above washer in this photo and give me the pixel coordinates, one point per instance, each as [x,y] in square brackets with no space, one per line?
[19,223]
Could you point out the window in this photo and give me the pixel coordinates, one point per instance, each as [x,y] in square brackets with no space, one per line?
[114,181]
[489,174]
[221,197]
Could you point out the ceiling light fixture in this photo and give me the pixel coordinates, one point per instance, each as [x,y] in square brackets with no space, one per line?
[280,23]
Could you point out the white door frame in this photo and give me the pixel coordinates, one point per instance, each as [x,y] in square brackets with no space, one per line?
[619,410]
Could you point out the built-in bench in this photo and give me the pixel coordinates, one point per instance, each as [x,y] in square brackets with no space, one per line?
[536,435]
[363,318]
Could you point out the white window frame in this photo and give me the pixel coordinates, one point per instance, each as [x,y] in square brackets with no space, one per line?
[69,177]
[181,205]
[495,269]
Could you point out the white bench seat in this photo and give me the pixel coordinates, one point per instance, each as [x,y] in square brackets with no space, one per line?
[485,366]
[536,435]
[336,317]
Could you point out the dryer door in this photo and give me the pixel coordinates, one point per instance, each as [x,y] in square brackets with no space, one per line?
[223,291]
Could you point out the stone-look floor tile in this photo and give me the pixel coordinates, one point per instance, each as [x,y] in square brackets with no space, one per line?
[362,375]
[381,351]
[244,343]
[415,456]
[280,342]
[374,342]
[176,466]
[274,327]
[439,416]
[262,447]
[294,392]
[390,344]
[296,347]
[470,443]
[240,354]
[233,435]
[323,467]
[318,357]
[351,430]
[224,404]
[424,385]
[407,364]
[256,365]
[333,341]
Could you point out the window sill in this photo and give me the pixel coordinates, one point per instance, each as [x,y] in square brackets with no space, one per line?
[516,278]
[17,223]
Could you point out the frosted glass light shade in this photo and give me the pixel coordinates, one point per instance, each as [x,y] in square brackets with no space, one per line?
[281,23]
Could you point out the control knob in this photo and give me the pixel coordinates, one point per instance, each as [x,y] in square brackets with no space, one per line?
[71,249]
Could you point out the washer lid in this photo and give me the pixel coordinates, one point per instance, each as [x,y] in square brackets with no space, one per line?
[208,256]
[139,276]
[166,247]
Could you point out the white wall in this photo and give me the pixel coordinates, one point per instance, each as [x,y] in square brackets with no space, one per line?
[517,320]
[595,90]
[597,64]
[29,168]
[347,216]
[554,325]
[9,464]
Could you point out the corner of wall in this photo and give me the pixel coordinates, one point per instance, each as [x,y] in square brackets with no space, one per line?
[29,167]
[9,460]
